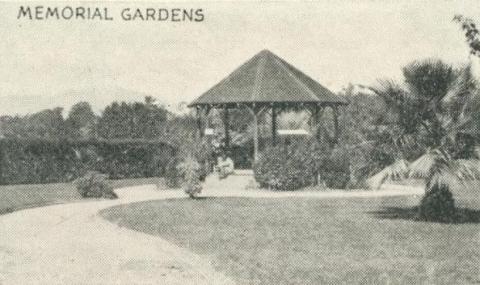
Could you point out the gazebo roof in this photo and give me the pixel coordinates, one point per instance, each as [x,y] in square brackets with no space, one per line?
[266,78]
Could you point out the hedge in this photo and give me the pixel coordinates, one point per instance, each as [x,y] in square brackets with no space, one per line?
[30,161]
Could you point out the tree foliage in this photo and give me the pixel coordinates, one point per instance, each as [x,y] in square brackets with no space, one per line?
[417,102]
[81,121]
[132,120]
[48,123]
[471,33]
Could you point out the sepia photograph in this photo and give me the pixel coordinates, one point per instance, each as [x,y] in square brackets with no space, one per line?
[239,142]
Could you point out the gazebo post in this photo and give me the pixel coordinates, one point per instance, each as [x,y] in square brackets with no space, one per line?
[226,124]
[314,122]
[254,111]
[255,133]
[274,125]
[199,121]
[319,115]
[335,123]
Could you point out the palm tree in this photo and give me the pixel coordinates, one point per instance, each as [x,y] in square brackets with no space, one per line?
[445,116]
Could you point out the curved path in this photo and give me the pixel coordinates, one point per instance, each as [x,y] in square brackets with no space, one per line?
[71,244]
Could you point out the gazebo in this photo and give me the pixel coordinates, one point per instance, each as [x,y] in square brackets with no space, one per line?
[265,83]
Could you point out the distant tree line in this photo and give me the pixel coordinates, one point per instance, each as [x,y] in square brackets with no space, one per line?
[126,140]
[119,120]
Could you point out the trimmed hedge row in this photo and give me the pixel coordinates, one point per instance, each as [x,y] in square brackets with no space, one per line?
[47,161]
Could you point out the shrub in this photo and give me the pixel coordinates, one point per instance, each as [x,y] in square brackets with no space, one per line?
[173,177]
[437,205]
[284,168]
[205,156]
[191,171]
[299,165]
[94,185]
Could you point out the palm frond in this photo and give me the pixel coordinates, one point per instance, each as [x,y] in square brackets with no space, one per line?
[461,87]
[443,177]
[465,169]
[455,172]
[397,170]
[422,167]
[461,102]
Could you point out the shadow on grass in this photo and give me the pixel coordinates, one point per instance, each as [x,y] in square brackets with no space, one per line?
[463,215]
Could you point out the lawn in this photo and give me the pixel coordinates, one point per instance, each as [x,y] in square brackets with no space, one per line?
[16,197]
[314,241]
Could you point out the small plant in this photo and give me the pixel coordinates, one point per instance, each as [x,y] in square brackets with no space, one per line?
[437,205]
[94,185]
[190,170]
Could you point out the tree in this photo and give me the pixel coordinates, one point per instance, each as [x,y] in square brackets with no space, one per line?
[46,124]
[450,158]
[133,120]
[113,122]
[81,121]
[417,102]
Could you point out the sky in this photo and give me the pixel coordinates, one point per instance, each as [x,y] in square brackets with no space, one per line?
[45,64]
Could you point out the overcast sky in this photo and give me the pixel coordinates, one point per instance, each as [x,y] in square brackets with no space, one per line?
[44,64]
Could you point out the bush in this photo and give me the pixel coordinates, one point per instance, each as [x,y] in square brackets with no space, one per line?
[191,171]
[284,168]
[437,205]
[94,185]
[299,165]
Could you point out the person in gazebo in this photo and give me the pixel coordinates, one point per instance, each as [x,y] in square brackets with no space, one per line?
[225,165]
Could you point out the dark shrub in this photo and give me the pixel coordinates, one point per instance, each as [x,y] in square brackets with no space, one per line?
[437,205]
[94,185]
[290,167]
[285,168]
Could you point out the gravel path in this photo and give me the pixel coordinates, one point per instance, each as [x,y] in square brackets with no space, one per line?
[71,244]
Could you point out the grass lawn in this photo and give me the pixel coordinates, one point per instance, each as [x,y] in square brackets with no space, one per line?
[16,197]
[313,241]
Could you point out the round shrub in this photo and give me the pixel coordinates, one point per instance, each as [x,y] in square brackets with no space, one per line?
[94,185]
[437,205]
[284,168]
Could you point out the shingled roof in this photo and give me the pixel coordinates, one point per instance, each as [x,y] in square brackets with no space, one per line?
[266,78]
